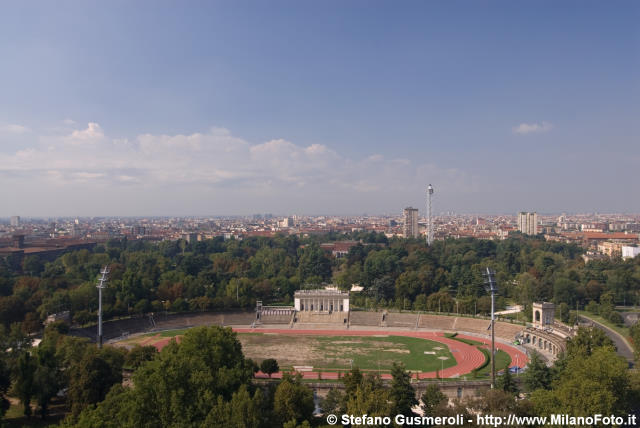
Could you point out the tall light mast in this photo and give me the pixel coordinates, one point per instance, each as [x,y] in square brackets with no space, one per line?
[101,285]
[429,218]
[493,289]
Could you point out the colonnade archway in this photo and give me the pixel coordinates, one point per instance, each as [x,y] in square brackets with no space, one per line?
[543,343]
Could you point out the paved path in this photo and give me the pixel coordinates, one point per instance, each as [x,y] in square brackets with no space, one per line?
[624,347]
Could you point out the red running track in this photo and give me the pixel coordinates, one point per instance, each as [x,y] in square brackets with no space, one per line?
[467,357]
[518,358]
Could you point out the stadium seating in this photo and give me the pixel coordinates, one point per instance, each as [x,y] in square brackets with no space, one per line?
[436,322]
[321,318]
[360,318]
[281,318]
[239,318]
[394,319]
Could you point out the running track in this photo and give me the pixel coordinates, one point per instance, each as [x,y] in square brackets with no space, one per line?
[467,357]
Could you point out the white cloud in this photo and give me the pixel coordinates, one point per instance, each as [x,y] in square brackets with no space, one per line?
[170,167]
[93,131]
[528,128]
[14,129]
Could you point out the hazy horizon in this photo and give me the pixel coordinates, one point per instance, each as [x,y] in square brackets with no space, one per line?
[422,215]
[164,109]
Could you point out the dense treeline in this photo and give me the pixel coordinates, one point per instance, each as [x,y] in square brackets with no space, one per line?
[218,274]
[37,374]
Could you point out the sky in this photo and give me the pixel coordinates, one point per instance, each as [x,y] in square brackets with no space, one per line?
[141,108]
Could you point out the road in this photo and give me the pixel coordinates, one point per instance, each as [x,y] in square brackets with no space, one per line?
[624,347]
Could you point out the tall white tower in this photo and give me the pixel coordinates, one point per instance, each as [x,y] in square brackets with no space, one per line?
[429,218]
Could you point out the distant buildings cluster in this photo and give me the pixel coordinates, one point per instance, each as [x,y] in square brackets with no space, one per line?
[612,235]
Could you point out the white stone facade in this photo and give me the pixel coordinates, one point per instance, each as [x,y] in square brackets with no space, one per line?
[321,301]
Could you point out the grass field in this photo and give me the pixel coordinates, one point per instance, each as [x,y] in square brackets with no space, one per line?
[337,352]
[334,352]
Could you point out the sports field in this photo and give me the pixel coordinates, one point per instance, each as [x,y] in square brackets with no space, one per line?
[326,353]
[376,352]
[339,352]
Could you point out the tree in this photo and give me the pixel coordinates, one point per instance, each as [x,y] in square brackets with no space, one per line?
[409,284]
[314,263]
[47,378]
[616,318]
[506,382]
[370,398]
[334,402]
[379,264]
[203,381]
[432,400]
[352,380]
[382,288]
[634,330]
[586,340]
[564,290]
[23,381]
[32,265]
[593,307]
[5,373]
[241,411]
[181,385]
[84,317]
[499,403]
[403,395]
[138,355]
[255,368]
[292,424]
[92,377]
[537,375]
[563,310]
[269,366]
[293,400]
[597,383]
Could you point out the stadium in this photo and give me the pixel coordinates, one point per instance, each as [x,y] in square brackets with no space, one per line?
[321,338]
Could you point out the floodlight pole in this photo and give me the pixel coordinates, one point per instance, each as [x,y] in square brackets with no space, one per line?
[101,284]
[493,340]
[493,289]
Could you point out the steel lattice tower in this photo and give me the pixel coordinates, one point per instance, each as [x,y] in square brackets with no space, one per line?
[429,218]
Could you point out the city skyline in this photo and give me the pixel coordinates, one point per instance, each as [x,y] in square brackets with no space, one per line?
[338,109]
